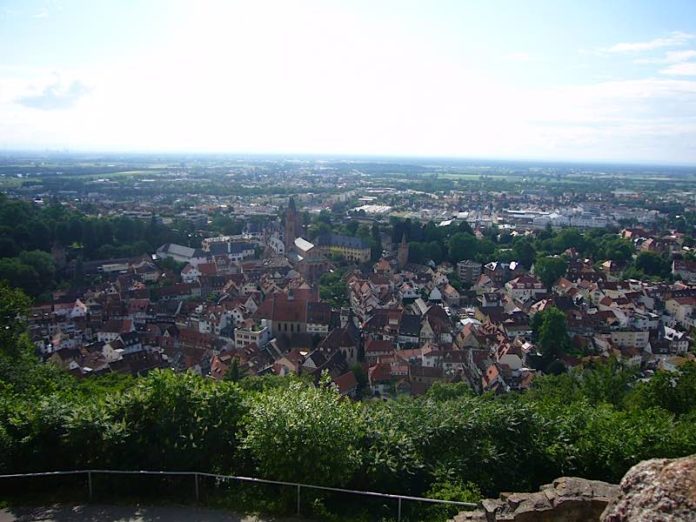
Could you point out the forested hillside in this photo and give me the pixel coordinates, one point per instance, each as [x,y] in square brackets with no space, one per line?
[31,234]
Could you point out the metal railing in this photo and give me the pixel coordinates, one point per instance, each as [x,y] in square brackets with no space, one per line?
[197,474]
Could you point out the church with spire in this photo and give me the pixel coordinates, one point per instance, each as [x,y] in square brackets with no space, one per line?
[402,255]
[293,225]
[304,256]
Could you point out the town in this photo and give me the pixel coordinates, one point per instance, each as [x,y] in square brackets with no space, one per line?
[388,275]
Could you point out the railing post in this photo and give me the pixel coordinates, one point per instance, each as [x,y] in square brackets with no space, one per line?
[298,499]
[398,514]
[195,475]
[89,483]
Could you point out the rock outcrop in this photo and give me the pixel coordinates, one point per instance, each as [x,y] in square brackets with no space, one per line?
[567,499]
[656,490]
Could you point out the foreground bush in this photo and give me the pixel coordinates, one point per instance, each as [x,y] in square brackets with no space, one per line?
[594,424]
[304,434]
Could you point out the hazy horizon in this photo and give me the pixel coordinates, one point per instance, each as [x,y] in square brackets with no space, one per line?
[459,161]
[471,81]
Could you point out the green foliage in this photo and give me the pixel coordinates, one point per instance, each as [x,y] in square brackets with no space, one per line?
[32,271]
[462,246]
[448,488]
[332,288]
[13,309]
[442,391]
[304,434]
[549,269]
[610,383]
[235,373]
[569,238]
[671,391]
[616,249]
[457,241]
[165,421]
[652,264]
[440,444]
[550,332]
[363,388]
[375,243]
[28,232]
[524,251]
[226,225]
[169,264]
[417,253]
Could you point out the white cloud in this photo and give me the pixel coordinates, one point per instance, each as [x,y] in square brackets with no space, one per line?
[681,69]
[675,39]
[680,56]
[669,57]
[54,96]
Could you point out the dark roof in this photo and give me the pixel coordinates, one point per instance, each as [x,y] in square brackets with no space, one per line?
[130,338]
[238,248]
[410,325]
[218,249]
[425,371]
[341,241]
[338,338]
[374,346]
[318,313]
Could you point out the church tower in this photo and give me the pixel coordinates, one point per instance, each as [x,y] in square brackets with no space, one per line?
[292,225]
[402,256]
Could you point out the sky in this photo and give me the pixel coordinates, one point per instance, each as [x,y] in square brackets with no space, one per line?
[607,80]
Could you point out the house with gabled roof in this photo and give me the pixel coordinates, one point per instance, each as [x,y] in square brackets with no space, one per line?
[346,384]
[376,348]
[343,339]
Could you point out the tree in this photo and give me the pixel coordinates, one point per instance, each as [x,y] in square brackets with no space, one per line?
[89,237]
[616,249]
[551,335]
[569,238]
[524,251]
[652,264]
[235,373]
[462,246]
[20,275]
[671,391]
[434,251]
[549,269]
[43,264]
[417,252]
[8,248]
[332,288]
[608,382]
[376,243]
[431,232]
[352,228]
[361,377]
[13,309]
